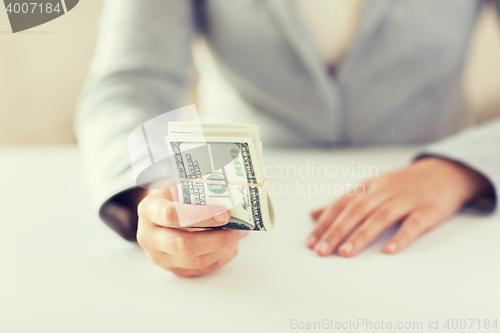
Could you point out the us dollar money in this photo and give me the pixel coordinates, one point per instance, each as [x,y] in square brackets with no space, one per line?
[223,169]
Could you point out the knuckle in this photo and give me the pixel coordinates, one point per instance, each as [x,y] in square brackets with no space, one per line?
[362,235]
[201,261]
[383,215]
[170,213]
[184,246]
[224,239]
[430,209]
[321,226]
[360,207]
[316,232]
[337,233]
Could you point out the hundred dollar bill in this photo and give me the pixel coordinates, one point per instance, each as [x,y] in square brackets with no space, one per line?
[222,168]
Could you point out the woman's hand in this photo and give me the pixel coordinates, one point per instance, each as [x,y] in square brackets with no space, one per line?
[421,196]
[184,252]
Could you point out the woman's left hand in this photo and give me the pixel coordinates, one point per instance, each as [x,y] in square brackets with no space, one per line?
[421,196]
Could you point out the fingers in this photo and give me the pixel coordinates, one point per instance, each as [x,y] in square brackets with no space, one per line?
[189,253]
[170,214]
[353,214]
[412,227]
[324,220]
[191,244]
[229,255]
[381,219]
[202,261]
[180,251]
[423,195]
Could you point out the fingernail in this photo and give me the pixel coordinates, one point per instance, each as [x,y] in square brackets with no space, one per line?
[222,218]
[311,240]
[322,247]
[346,248]
[243,233]
[391,247]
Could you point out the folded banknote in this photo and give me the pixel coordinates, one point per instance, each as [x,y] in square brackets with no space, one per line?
[222,165]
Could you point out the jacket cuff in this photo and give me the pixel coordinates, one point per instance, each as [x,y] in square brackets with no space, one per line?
[120,215]
[476,152]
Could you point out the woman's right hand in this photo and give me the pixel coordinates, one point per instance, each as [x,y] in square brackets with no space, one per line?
[185,252]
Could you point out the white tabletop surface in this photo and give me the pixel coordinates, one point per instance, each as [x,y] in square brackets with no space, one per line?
[63,270]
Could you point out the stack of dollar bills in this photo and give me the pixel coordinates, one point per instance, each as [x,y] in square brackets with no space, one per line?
[222,165]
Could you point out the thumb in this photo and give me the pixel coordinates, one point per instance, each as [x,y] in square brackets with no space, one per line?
[178,215]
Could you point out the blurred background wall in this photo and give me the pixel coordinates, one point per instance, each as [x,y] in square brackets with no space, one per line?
[41,74]
[42,71]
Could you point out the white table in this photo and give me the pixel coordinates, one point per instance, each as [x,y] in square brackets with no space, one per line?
[63,270]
